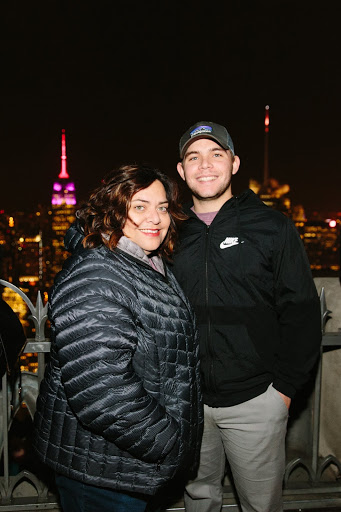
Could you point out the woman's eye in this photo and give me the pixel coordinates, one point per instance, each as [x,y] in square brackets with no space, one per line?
[139,207]
[163,208]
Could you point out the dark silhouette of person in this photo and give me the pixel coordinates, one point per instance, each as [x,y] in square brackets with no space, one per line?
[12,338]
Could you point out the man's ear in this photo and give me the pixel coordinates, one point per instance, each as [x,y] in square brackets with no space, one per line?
[236,164]
[181,170]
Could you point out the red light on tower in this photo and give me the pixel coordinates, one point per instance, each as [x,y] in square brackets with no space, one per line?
[267,119]
[63,171]
[266,145]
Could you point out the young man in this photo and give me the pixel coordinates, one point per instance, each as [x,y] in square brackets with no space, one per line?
[245,270]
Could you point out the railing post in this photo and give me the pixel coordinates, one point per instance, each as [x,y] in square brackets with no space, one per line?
[40,345]
[5,431]
[318,384]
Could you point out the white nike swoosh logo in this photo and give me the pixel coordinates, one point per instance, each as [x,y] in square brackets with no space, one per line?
[230,242]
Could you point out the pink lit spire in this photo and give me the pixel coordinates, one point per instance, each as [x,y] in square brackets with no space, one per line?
[63,190]
[63,170]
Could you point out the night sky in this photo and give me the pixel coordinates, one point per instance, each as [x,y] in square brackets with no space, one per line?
[126,79]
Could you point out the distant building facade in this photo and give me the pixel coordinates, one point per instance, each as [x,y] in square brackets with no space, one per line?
[321,236]
[273,194]
[321,239]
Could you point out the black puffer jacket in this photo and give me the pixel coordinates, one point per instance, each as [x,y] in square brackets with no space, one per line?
[120,405]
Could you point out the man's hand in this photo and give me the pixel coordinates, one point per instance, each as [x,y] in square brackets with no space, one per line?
[285,399]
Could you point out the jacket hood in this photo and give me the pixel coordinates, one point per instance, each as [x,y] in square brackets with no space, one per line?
[74,237]
[248,199]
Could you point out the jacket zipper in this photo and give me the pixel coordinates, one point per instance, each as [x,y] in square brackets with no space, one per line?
[210,379]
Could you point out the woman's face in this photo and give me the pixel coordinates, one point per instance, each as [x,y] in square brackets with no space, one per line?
[148,218]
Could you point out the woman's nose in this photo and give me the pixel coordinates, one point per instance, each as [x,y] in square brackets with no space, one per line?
[154,217]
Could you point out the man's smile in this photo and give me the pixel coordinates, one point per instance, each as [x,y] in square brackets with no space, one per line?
[207,178]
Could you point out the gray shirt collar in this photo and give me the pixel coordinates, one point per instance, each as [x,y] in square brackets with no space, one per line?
[128,246]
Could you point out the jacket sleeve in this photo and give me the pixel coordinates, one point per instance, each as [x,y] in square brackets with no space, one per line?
[298,310]
[96,337]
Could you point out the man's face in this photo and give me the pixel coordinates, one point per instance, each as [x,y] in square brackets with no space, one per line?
[207,169]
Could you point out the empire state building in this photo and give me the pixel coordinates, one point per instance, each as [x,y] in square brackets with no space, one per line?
[63,210]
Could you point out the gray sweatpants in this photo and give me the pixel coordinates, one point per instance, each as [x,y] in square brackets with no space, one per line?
[252,437]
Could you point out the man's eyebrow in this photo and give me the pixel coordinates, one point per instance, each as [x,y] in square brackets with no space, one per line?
[191,153]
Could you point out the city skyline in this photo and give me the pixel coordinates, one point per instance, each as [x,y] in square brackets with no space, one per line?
[126,83]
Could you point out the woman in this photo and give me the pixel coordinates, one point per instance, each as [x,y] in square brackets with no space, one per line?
[119,411]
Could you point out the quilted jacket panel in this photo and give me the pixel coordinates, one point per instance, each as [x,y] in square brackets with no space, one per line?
[120,404]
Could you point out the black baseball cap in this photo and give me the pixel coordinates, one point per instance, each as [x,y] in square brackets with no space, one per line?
[208,130]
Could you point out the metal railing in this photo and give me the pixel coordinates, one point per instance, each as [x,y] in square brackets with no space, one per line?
[25,390]
[315,492]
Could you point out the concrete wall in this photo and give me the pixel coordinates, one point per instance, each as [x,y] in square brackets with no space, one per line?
[330,419]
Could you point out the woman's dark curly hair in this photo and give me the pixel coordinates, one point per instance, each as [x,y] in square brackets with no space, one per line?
[107,209]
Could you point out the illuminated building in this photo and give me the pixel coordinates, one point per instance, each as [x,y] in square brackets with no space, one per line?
[63,189]
[22,260]
[321,236]
[21,247]
[63,211]
[321,239]
[270,191]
